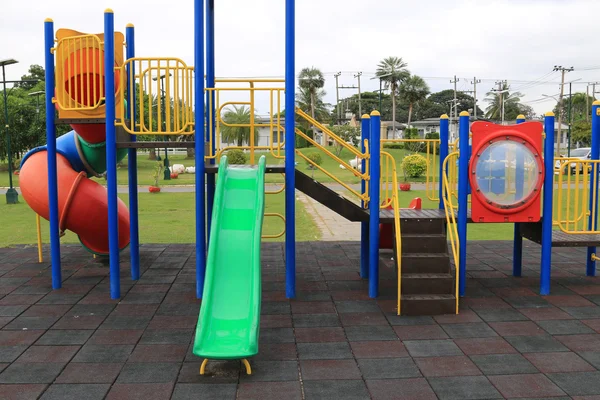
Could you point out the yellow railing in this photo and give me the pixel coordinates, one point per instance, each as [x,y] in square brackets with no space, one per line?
[431,149]
[575,204]
[164,95]
[389,177]
[449,208]
[358,155]
[79,66]
[220,102]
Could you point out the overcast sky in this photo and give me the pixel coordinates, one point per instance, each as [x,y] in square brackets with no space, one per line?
[517,40]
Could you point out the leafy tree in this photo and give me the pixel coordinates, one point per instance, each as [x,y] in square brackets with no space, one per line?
[36,73]
[237,134]
[439,103]
[511,102]
[392,71]
[413,90]
[348,133]
[580,108]
[581,133]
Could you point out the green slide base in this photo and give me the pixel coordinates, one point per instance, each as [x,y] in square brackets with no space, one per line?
[229,321]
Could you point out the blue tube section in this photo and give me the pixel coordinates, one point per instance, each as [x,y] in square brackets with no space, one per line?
[199,147]
[444,135]
[546,264]
[290,125]
[517,238]
[111,154]
[51,145]
[593,220]
[463,188]
[66,146]
[134,229]
[364,226]
[210,99]
[374,179]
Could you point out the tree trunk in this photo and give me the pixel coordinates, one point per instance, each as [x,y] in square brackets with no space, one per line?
[410,108]
[393,113]
[190,153]
[312,114]
[152,154]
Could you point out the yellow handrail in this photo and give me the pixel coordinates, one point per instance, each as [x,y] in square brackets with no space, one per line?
[389,175]
[575,191]
[329,133]
[431,145]
[450,217]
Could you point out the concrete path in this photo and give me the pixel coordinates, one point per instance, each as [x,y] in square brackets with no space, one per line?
[333,227]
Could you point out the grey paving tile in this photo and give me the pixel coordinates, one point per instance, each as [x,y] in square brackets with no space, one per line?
[324,351]
[464,388]
[98,353]
[149,373]
[375,332]
[31,373]
[474,330]
[388,368]
[208,391]
[503,364]
[565,327]
[76,392]
[337,389]
[535,344]
[432,348]
[500,315]
[64,337]
[578,383]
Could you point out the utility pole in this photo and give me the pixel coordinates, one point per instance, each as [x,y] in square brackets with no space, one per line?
[587,103]
[501,91]
[358,74]
[455,103]
[563,70]
[474,83]
[337,96]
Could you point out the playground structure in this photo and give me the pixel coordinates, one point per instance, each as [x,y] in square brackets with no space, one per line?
[109,99]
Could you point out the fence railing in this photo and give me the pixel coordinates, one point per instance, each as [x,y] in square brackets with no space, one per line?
[163,91]
[576,199]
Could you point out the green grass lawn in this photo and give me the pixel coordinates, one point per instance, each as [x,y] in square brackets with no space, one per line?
[164,218]
[146,169]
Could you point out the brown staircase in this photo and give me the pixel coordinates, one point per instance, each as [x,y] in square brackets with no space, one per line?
[428,280]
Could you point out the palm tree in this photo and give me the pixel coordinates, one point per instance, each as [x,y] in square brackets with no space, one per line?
[413,90]
[392,71]
[237,134]
[500,100]
[321,109]
[311,80]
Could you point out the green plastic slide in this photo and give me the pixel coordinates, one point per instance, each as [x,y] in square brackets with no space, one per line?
[230,313]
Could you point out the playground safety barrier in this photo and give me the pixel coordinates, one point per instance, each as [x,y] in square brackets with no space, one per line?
[450,211]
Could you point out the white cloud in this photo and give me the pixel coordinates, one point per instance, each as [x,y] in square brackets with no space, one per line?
[492,39]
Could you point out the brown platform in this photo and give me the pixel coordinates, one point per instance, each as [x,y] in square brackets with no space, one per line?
[533,232]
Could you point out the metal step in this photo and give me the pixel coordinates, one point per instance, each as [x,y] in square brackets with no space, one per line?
[424,243]
[425,263]
[414,304]
[425,226]
[428,283]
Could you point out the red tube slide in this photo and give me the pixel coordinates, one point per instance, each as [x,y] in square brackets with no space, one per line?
[82,203]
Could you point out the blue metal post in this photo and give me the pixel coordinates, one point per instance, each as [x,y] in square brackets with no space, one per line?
[51,153]
[199,146]
[111,153]
[593,220]
[463,188]
[374,179]
[134,230]
[290,125]
[444,135]
[519,183]
[210,101]
[546,265]
[364,226]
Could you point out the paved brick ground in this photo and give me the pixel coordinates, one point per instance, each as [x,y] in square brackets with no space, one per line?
[332,342]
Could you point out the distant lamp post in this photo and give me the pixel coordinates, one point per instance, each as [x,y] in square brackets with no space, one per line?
[12,197]
[167,172]
[37,110]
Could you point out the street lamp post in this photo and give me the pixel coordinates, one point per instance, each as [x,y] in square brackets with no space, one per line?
[37,110]
[12,197]
[167,171]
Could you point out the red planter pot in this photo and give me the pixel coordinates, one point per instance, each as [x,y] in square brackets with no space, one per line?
[153,189]
[174,175]
[405,187]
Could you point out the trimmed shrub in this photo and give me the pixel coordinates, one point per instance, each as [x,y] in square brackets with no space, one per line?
[236,156]
[315,158]
[414,166]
